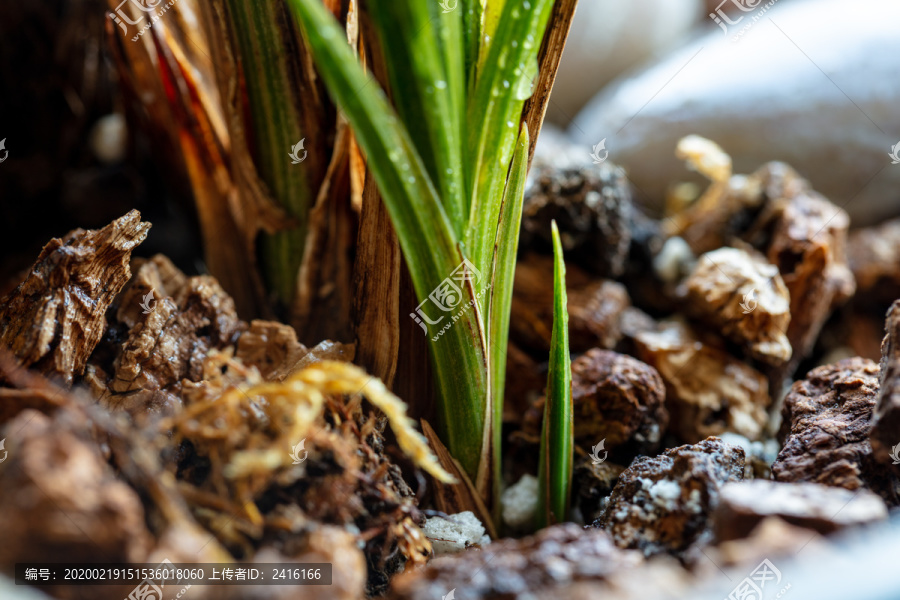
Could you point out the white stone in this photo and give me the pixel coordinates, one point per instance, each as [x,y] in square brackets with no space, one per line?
[519,503]
[455,533]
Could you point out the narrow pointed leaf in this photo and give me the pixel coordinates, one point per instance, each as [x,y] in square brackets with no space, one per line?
[557,443]
[502,287]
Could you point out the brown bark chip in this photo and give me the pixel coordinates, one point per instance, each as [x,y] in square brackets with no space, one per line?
[744,297]
[826,419]
[554,557]
[807,240]
[663,504]
[53,320]
[885,435]
[708,391]
[822,508]
[183,318]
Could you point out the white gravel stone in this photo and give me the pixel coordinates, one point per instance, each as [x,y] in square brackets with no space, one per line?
[455,533]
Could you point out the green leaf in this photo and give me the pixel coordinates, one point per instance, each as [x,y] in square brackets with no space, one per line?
[502,288]
[472,16]
[557,441]
[494,113]
[264,46]
[422,52]
[425,233]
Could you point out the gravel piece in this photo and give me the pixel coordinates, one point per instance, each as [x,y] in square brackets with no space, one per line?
[519,568]
[805,236]
[61,499]
[825,430]
[594,307]
[520,503]
[455,533]
[167,323]
[615,398]
[823,508]
[873,254]
[663,504]
[592,207]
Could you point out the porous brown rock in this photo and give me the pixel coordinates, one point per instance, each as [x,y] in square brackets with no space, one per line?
[663,504]
[826,419]
[517,568]
[53,320]
[594,307]
[590,203]
[615,398]
[61,500]
[885,434]
[744,298]
[708,391]
[825,509]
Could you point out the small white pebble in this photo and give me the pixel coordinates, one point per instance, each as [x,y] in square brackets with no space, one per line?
[455,533]
[520,502]
[674,260]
